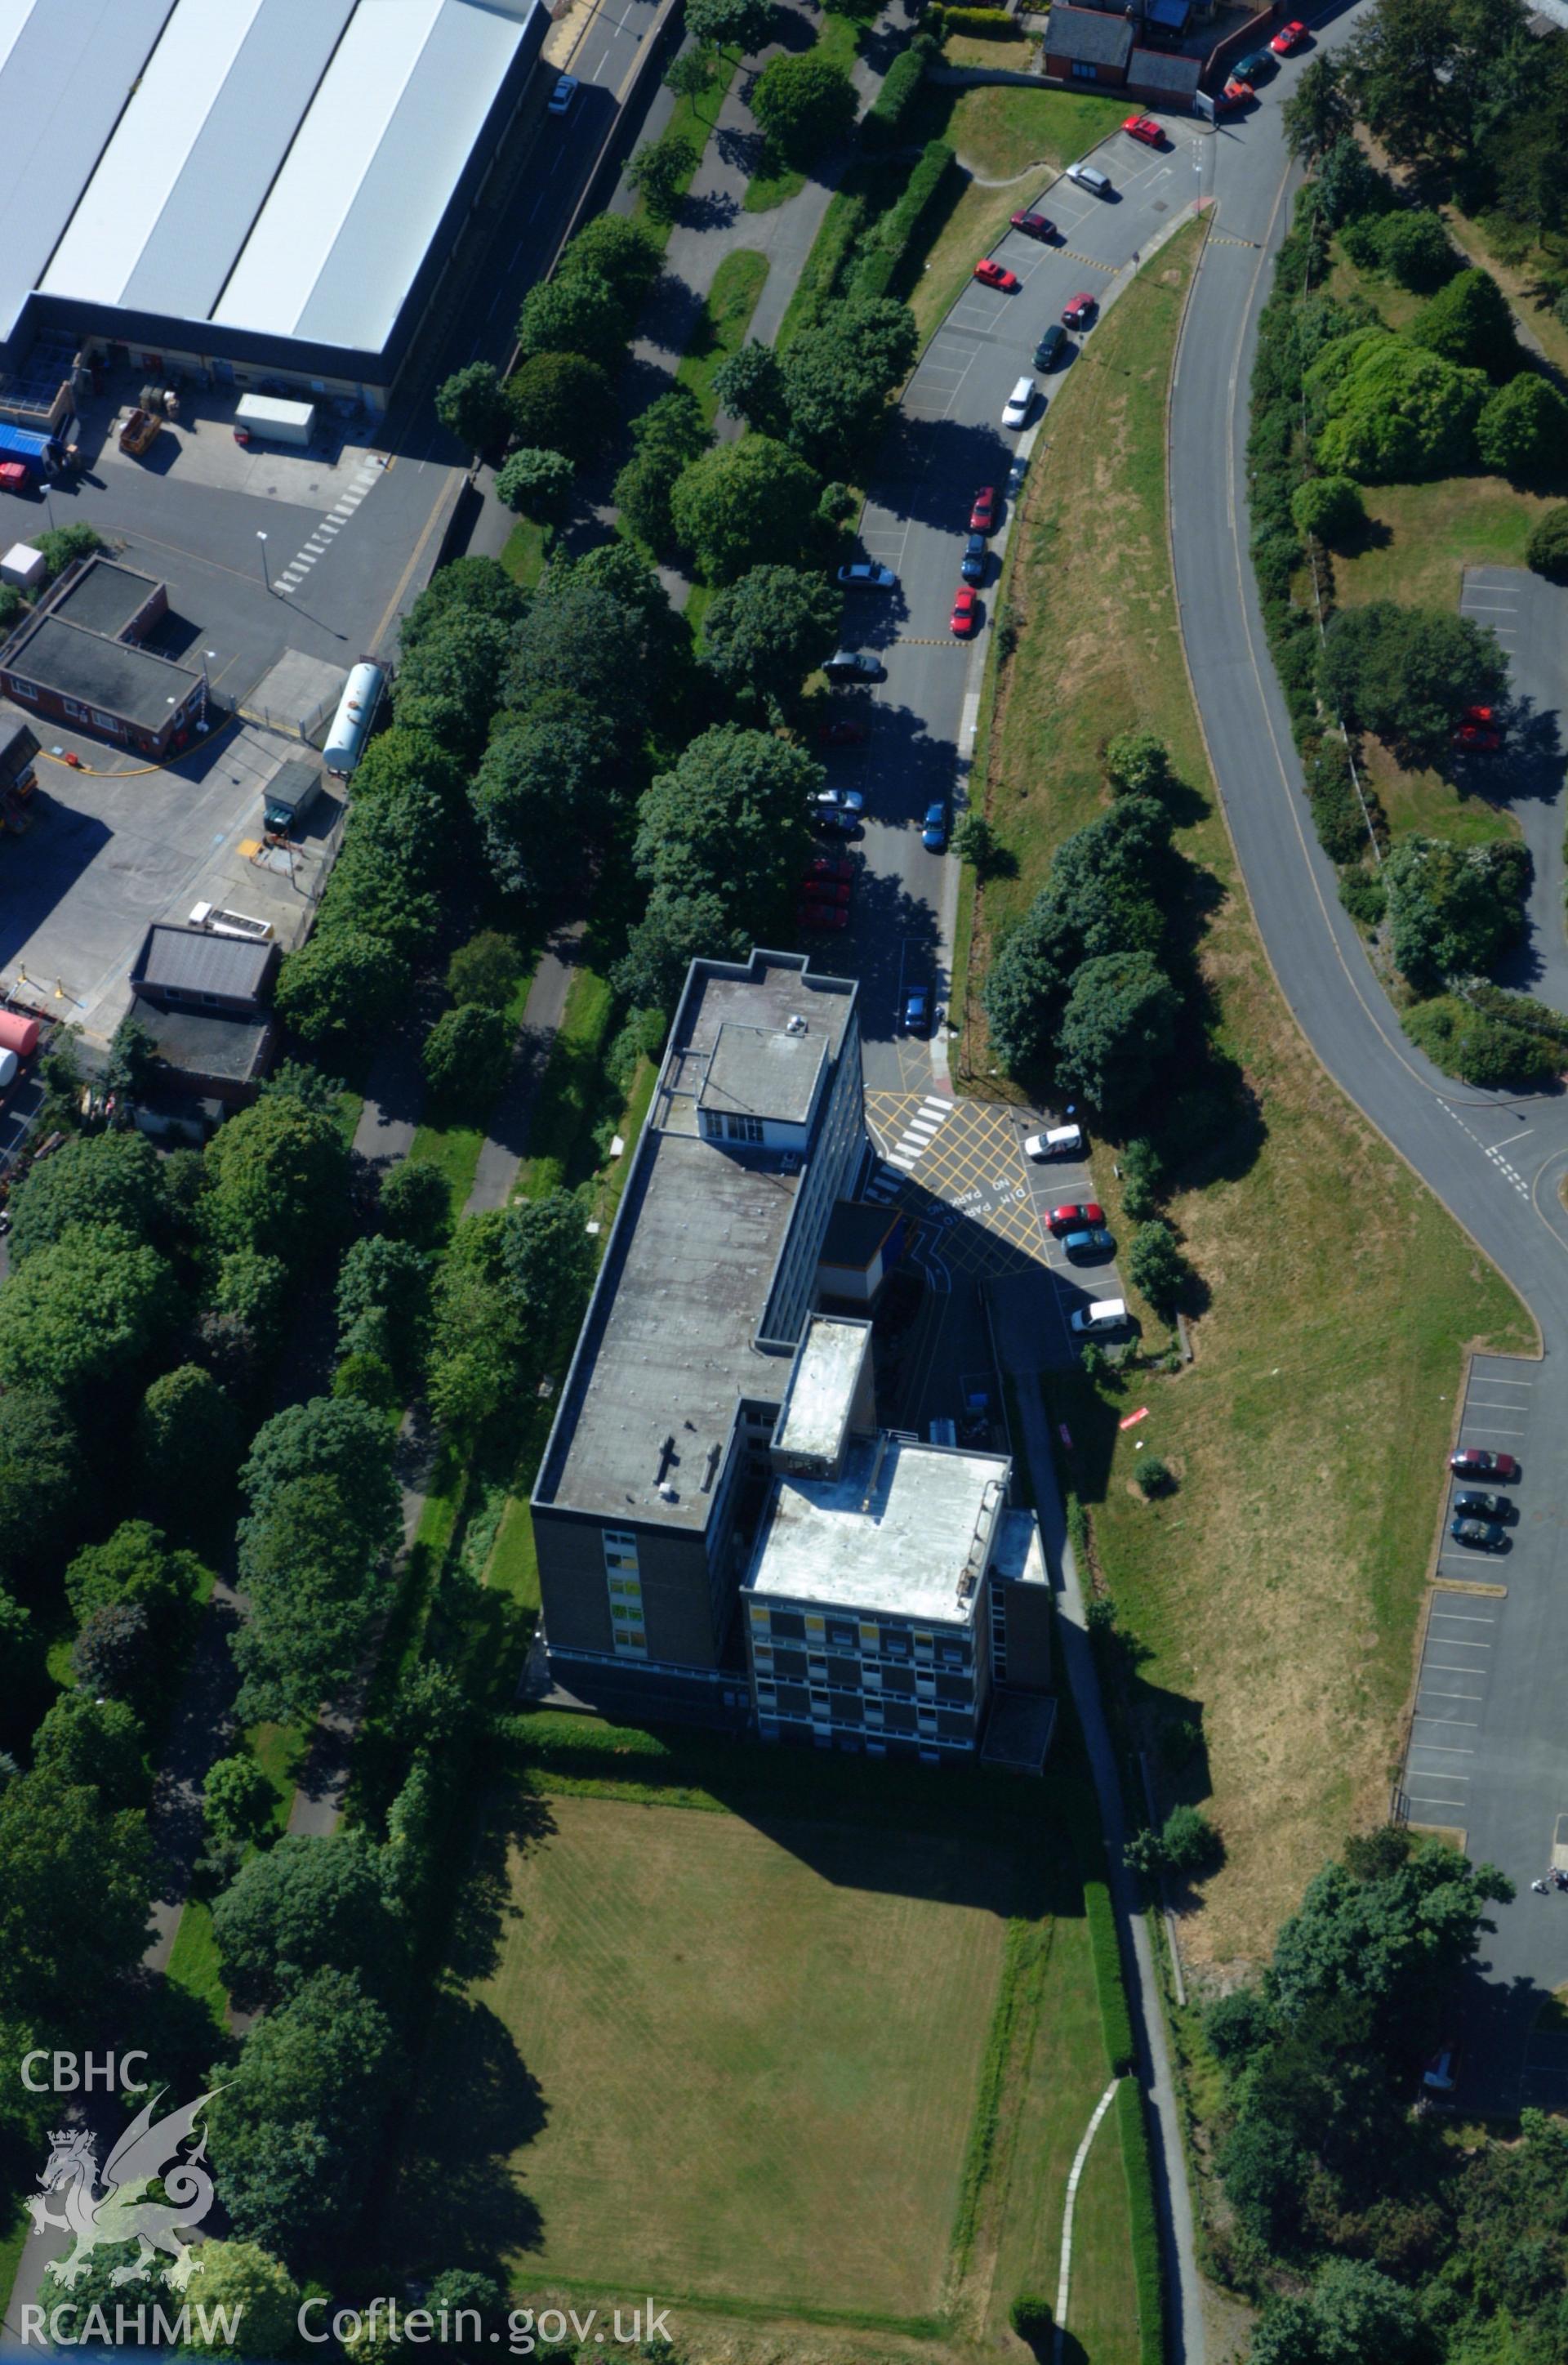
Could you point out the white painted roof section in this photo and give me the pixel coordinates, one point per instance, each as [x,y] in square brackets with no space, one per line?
[67,68]
[821,1388]
[907,1530]
[352,213]
[159,129]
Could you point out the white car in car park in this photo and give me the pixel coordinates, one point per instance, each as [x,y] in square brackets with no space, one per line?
[1059,1141]
[1019,404]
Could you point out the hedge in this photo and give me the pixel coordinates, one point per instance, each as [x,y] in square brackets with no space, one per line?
[980,24]
[886,117]
[1115,2018]
[896,235]
[1148,2282]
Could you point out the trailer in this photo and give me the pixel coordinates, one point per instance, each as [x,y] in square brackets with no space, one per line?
[356,712]
[266,419]
[288,798]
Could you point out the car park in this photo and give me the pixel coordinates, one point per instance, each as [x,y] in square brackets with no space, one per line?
[1052,347]
[1289,38]
[1078,1213]
[1102,1314]
[1236,95]
[1481,1535]
[1089,177]
[1083,1247]
[1034,225]
[1486,1507]
[916,1016]
[982,510]
[965,617]
[934,829]
[1144,128]
[1476,1462]
[865,575]
[1079,310]
[1020,402]
[972,566]
[560,99]
[821,916]
[854,665]
[842,731]
[997,275]
[1056,1141]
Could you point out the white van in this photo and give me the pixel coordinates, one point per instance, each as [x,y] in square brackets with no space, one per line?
[1062,1141]
[1103,1314]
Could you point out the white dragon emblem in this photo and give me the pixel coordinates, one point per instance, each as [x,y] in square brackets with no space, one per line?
[121,2212]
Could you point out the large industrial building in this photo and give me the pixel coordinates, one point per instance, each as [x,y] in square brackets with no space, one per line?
[245,189]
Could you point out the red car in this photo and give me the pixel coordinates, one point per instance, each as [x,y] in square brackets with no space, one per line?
[1475,1462]
[1072,1219]
[1034,225]
[983,516]
[1289,38]
[843,732]
[1144,128]
[1235,94]
[966,611]
[838,868]
[825,890]
[821,915]
[1478,732]
[1078,312]
[993,275]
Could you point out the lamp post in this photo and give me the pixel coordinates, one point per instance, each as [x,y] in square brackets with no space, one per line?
[262,538]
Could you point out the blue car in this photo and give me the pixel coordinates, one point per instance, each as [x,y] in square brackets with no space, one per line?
[917,1011]
[1097,1242]
[934,829]
[972,566]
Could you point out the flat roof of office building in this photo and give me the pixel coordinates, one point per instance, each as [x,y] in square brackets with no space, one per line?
[822,1387]
[114,676]
[277,165]
[667,1346]
[104,597]
[202,1043]
[197,960]
[757,1072]
[894,1533]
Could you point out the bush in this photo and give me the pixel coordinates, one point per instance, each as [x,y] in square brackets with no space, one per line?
[1393,411]
[1465,1042]
[1335,809]
[538,483]
[1469,323]
[1188,1839]
[804,105]
[1330,508]
[1031,2318]
[897,234]
[465,1057]
[1156,1266]
[1414,247]
[978,24]
[1143,1179]
[1275,557]
[1523,429]
[1149,2284]
[1364,896]
[659,172]
[1154,1476]
[1453,909]
[1547,549]
[886,118]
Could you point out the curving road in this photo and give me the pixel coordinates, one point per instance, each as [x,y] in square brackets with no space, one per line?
[1487,1755]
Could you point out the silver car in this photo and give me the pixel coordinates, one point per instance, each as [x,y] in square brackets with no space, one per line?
[1089,177]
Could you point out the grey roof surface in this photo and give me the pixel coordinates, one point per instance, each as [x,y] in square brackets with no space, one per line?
[759,1072]
[666,1346]
[113,675]
[223,184]
[856,1231]
[822,1387]
[1019,1555]
[189,960]
[1089,37]
[894,1533]
[205,1043]
[104,597]
[1164,70]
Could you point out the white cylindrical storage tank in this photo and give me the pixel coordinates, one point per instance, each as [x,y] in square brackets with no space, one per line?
[356,712]
[9,1067]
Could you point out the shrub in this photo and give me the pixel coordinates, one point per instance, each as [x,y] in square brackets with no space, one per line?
[1116,2021]
[1393,411]
[897,234]
[980,24]
[1031,2318]
[1547,549]
[1523,429]
[1143,1179]
[659,172]
[465,1057]
[1147,2281]
[1157,1265]
[1335,809]
[1469,323]
[894,102]
[1188,1839]
[1364,896]
[804,105]
[1154,1476]
[538,483]
[1414,247]
[1465,1042]
[1453,909]
[1328,507]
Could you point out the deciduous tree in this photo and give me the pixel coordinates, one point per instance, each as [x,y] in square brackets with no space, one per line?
[804,105]
[471,405]
[1119,1030]
[280,1174]
[744,505]
[305,1905]
[84,1312]
[765,633]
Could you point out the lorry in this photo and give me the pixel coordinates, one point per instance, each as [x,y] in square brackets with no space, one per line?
[288,796]
[266,418]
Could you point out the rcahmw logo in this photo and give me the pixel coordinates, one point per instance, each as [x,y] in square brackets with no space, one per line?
[148,2148]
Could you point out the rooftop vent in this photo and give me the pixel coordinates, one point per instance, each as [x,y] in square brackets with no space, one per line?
[795,1023]
[667,1455]
[715,1455]
[668,1493]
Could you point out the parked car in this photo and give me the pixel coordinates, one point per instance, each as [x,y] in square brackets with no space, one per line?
[1052,347]
[1289,38]
[1034,225]
[1236,95]
[1481,1535]
[1056,1141]
[842,731]
[560,99]
[854,665]
[982,510]
[1079,310]
[817,890]
[845,800]
[1080,1212]
[972,566]
[1475,1462]
[1100,1315]
[1020,402]
[997,275]
[1479,732]
[836,869]
[1255,65]
[821,916]
[916,1017]
[1486,1507]
[1144,128]
[1089,177]
[966,612]
[934,829]
[865,575]
[1083,1247]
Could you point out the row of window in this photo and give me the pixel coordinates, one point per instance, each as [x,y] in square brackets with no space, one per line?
[623,1577]
[869,1638]
[852,1675]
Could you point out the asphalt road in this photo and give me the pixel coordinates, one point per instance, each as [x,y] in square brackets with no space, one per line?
[1495,1162]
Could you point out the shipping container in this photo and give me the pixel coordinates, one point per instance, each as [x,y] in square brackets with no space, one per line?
[270,420]
[40,453]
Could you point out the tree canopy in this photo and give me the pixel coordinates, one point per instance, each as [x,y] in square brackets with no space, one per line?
[1408,673]
[732,819]
[1119,1030]
[765,633]
[109,1179]
[744,505]
[1453,909]
[804,104]
[1467,322]
[305,1905]
[279,1181]
[1391,410]
[838,375]
[84,1312]
[564,401]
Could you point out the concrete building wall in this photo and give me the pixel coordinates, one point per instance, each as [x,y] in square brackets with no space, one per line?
[1028,1613]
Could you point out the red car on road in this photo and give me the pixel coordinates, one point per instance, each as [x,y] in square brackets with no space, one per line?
[1072,1219]
[821,915]
[1144,128]
[836,868]
[1289,38]
[1475,1462]
[966,611]
[843,732]
[983,516]
[1034,225]
[1077,311]
[1479,732]
[995,274]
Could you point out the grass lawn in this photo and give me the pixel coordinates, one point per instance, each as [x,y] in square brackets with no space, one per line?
[560,1149]
[1425,801]
[773,184]
[193,1964]
[1423,536]
[1276,1590]
[526,552]
[692,119]
[453,1147]
[722,323]
[736,2059]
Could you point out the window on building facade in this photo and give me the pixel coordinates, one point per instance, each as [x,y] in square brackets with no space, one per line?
[623,1577]
[744,1129]
[1083,73]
